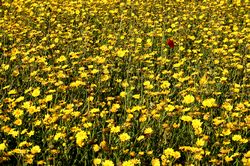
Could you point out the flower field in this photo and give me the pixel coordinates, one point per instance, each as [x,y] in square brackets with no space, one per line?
[125,82]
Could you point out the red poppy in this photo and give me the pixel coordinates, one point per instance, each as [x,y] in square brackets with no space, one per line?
[170,43]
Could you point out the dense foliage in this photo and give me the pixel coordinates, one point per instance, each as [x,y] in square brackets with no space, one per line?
[124,82]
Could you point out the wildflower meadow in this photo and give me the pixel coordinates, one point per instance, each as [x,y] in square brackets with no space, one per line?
[125,82]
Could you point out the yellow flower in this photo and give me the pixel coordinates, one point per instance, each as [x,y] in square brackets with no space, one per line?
[107,163]
[247,155]
[188,99]
[87,125]
[182,48]
[18,122]
[146,83]
[41,162]
[76,83]
[14,133]
[24,143]
[20,151]
[236,138]
[35,149]
[104,48]
[226,132]
[96,148]
[123,94]
[246,161]
[155,162]
[198,156]
[148,130]
[138,40]
[127,163]
[24,131]
[36,92]
[227,106]
[116,129]
[125,84]
[165,84]
[17,113]
[124,137]
[26,104]
[217,121]
[56,40]
[94,71]
[150,152]
[141,153]
[228,159]
[58,135]
[136,96]
[103,144]
[97,161]
[19,99]
[133,154]
[211,102]
[37,122]
[95,110]
[244,140]
[33,109]
[121,53]
[5,67]
[200,142]
[48,98]
[135,161]
[149,43]
[175,125]
[176,155]
[115,108]
[170,108]
[80,137]
[61,59]
[186,118]
[12,92]
[31,133]
[169,152]
[140,138]
[2,146]
[196,123]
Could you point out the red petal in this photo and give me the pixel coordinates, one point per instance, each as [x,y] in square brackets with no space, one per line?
[170,43]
